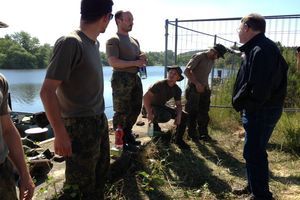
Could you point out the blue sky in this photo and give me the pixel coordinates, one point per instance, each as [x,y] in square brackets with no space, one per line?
[49,19]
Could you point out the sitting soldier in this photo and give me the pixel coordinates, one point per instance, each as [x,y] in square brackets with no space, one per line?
[156,98]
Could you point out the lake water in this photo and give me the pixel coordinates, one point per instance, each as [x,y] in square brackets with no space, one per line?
[25,85]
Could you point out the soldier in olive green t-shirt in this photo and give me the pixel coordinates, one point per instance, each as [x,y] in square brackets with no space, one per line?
[72,95]
[198,92]
[124,55]
[155,100]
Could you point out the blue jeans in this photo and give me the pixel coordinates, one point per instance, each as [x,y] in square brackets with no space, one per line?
[259,126]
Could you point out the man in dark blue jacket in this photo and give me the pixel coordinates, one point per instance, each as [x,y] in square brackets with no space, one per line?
[259,93]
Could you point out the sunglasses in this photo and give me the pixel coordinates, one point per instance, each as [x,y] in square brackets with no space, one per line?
[110,16]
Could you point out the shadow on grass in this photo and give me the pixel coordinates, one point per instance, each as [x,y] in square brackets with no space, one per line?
[182,169]
[186,170]
[124,182]
[222,158]
[295,180]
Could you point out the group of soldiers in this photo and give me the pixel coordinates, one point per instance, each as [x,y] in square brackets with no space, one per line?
[72,95]
[124,55]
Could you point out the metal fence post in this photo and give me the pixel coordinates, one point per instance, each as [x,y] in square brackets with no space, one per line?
[166,45]
[176,41]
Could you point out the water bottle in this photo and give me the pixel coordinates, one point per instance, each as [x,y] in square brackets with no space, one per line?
[143,72]
[119,133]
[150,129]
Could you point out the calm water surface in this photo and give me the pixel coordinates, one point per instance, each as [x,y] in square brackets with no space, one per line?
[25,85]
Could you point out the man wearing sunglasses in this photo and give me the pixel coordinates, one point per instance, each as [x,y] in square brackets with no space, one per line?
[72,94]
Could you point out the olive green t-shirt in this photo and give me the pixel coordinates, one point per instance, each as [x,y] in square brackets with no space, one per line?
[123,47]
[4,110]
[76,62]
[201,66]
[163,93]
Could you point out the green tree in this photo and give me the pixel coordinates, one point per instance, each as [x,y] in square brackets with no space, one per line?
[43,55]
[30,44]
[155,58]
[21,51]
[17,57]
[293,88]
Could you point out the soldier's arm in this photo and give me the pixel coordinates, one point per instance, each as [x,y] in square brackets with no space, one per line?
[178,111]
[115,62]
[189,74]
[16,154]
[147,103]
[62,142]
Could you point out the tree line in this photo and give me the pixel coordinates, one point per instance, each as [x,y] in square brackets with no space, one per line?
[21,51]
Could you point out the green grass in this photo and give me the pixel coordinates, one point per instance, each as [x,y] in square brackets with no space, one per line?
[287,132]
[162,171]
[207,171]
[210,170]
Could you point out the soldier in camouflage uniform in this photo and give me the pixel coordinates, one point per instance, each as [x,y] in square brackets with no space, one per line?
[124,55]
[11,152]
[198,91]
[72,94]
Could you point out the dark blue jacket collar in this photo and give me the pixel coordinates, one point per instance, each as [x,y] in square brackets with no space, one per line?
[252,42]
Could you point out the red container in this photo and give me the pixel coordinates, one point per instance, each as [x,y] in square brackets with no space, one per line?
[119,137]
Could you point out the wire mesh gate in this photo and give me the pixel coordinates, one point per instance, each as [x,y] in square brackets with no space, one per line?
[183,38]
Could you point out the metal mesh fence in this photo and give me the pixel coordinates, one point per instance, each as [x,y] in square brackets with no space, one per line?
[183,38]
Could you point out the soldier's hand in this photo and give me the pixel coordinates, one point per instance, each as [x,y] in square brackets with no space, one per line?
[200,88]
[62,144]
[26,187]
[143,56]
[141,63]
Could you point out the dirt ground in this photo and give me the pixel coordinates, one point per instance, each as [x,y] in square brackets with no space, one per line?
[47,187]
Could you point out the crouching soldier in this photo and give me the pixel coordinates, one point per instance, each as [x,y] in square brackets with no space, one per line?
[155,104]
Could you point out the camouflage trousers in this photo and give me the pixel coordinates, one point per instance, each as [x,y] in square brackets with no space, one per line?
[127,91]
[197,105]
[163,114]
[87,168]
[7,181]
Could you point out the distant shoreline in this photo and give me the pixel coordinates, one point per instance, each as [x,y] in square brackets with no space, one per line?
[46,68]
